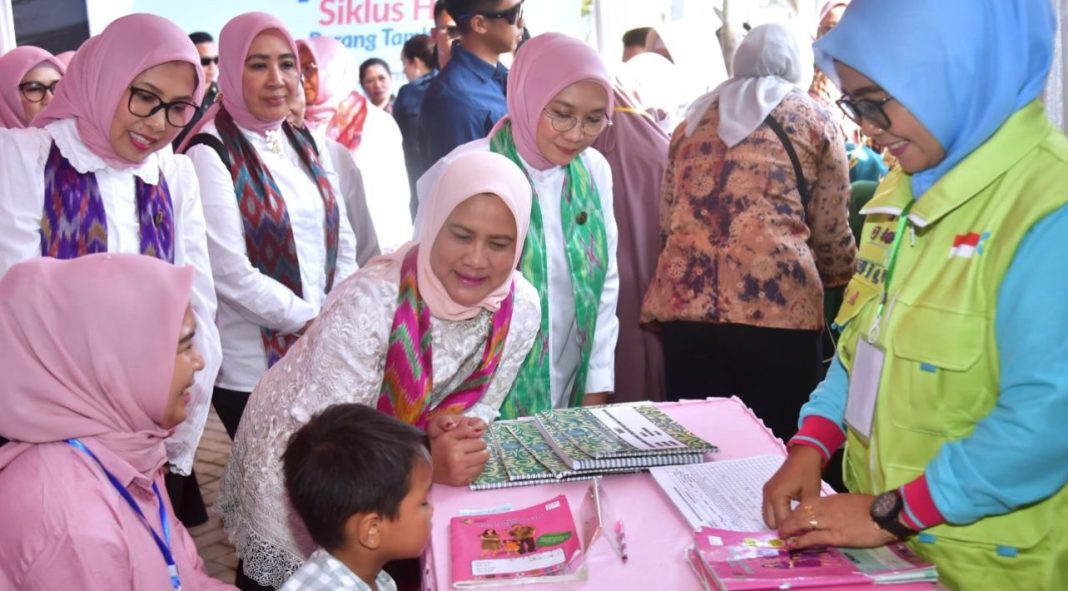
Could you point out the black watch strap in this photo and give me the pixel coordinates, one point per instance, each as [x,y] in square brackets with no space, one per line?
[885,511]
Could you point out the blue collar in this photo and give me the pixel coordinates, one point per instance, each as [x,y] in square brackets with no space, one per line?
[466,59]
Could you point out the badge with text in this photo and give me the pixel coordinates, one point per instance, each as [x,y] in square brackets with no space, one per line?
[864,387]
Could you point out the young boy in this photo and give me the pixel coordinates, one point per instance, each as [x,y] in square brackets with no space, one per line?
[359,479]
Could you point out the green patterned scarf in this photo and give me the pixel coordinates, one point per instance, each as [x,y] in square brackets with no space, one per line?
[587,258]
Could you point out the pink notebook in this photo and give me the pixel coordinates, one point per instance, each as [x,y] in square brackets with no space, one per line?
[536,544]
[751,561]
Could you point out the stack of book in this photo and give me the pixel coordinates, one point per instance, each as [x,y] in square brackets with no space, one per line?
[753,561]
[578,443]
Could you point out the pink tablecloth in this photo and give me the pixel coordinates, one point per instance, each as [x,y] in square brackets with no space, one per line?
[657,535]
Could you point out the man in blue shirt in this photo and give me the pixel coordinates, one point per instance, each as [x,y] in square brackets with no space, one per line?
[467,98]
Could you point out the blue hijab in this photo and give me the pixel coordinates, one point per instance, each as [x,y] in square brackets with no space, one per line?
[962,67]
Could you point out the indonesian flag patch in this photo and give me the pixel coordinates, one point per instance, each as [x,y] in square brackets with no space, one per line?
[968,245]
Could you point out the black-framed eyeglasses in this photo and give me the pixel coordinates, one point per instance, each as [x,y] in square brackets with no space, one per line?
[144,103]
[512,15]
[565,123]
[872,110]
[207,61]
[34,91]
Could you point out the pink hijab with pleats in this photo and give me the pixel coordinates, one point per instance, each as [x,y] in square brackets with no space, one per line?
[96,364]
[64,57]
[234,40]
[466,175]
[544,66]
[102,70]
[338,76]
[13,66]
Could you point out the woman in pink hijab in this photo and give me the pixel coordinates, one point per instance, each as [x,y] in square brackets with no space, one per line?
[345,122]
[64,57]
[333,118]
[95,174]
[453,299]
[29,76]
[277,231]
[91,387]
[559,101]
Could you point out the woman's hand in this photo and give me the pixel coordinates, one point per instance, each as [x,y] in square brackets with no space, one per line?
[303,329]
[798,478]
[456,448]
[595,398]
[837,520]
[442,423]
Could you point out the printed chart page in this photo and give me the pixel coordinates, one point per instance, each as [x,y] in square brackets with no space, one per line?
[726,494]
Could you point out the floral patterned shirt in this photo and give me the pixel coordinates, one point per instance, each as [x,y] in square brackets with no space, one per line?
[737,246]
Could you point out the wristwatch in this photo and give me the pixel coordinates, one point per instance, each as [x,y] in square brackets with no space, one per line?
[884,512]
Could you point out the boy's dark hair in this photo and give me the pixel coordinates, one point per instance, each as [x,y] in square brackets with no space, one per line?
[636,36]
[374,61]
[201,37]
[349,459]
[462,11]
[419,46]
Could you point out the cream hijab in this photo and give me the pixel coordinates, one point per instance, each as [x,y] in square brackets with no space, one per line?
[769,64]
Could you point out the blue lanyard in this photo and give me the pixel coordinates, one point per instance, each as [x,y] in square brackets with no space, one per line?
[163,544]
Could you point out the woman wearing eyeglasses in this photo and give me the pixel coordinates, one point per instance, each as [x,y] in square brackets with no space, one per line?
[29,75]
[950,388]
[749,239]
[559,101]
[278,235]
[95,174]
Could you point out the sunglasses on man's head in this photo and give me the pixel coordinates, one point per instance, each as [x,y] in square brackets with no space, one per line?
[207,61]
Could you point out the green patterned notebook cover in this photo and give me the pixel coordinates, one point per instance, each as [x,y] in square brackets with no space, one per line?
[495,475]
[520,456]
[654,432]
[534,458]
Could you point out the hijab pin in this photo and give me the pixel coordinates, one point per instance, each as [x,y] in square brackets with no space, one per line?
[581,218]
[158,218]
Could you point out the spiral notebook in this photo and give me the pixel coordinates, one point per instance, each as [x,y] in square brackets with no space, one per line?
[579,443]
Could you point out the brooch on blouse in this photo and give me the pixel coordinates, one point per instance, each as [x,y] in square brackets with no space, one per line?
[274,141]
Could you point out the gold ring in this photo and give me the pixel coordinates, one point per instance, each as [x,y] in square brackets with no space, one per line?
[813,523]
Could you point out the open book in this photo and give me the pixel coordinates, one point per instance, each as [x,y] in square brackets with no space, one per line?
[753,561]
[533,545]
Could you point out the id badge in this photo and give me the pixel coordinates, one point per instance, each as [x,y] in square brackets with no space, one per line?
[864,387]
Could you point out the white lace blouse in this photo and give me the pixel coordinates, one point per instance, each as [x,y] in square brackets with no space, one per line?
[341,359]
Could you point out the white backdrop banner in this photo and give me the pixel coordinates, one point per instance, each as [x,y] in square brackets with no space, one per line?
[370,28]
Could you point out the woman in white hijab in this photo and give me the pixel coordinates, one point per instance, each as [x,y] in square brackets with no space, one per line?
[747,242]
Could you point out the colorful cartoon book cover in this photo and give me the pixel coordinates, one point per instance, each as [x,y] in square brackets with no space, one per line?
[536,544]
[619,431]
[754,561]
